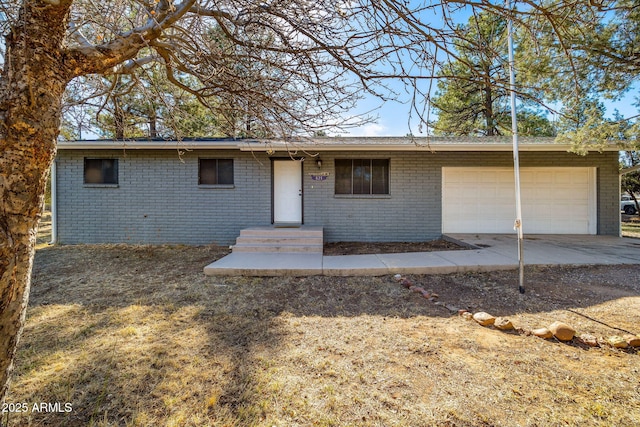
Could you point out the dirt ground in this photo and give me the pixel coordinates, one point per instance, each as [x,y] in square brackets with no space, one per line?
[358,248]
[139,336]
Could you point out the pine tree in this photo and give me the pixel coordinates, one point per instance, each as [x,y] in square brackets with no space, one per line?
[473,95]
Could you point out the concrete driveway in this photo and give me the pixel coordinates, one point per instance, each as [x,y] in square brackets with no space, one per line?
[555,249]
[487,252]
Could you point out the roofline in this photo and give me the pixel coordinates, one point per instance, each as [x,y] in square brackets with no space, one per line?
[412,148]
[145,145]
[434,144]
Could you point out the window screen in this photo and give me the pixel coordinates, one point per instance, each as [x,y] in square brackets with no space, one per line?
[100,171]
[362,176]
[215,172]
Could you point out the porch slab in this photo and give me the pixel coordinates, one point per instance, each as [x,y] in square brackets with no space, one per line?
[446,262]
[354,265]
[266,264]
[488,252]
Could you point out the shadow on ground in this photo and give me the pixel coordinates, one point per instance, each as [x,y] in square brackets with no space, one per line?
[137,335]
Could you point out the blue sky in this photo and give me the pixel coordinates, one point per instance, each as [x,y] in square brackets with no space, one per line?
[393,116]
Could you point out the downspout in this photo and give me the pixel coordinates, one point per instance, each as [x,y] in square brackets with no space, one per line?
[54,203]
[618,204]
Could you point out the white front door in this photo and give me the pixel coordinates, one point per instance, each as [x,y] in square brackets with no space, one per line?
[287,191]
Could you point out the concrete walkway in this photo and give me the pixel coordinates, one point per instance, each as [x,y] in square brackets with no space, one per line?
[488,252]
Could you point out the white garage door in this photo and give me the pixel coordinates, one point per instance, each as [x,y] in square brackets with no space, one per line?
[554,200]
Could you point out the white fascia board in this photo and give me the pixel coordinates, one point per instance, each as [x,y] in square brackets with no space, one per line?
[306,146]
[404,147]
[147,145]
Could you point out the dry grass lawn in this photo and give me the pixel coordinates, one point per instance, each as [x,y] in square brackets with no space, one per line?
[631,226]
[138,336]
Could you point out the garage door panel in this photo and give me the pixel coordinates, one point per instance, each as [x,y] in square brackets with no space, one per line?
[554,200]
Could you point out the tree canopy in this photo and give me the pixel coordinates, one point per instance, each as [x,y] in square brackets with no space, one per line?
[233,56]
[577,67]
[473,95]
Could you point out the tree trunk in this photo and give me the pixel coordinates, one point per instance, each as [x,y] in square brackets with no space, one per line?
[31,89]
[635,201]
[153,119]
[119,118]
[488,108]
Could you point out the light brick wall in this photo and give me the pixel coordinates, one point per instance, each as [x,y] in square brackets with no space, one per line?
[413,210]
[158,199]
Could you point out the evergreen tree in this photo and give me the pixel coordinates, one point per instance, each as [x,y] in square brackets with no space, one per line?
[473,94]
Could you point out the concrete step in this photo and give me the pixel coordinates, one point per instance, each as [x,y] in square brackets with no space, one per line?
[271,239]
[303,231]
[278,240]
[266,248]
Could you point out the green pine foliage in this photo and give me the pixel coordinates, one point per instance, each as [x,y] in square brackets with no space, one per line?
[473,95]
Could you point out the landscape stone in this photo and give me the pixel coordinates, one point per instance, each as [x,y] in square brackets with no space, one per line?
[562,331]
[543,333]
[617,341]
[503,324]
[633,340]
[589,340]
[484,319]
[467,316]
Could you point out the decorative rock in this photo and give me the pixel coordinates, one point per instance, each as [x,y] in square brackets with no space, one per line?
[543,333]
[617,341]
[562,331]
[503,324]
[397,277]
[467,316]
[434,295]
[484,319]
[426,294]
[633,340]
[406,283]
[589,340]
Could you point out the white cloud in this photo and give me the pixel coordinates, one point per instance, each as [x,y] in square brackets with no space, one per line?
[371,129]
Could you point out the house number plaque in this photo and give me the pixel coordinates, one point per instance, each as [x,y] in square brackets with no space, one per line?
[319,176]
